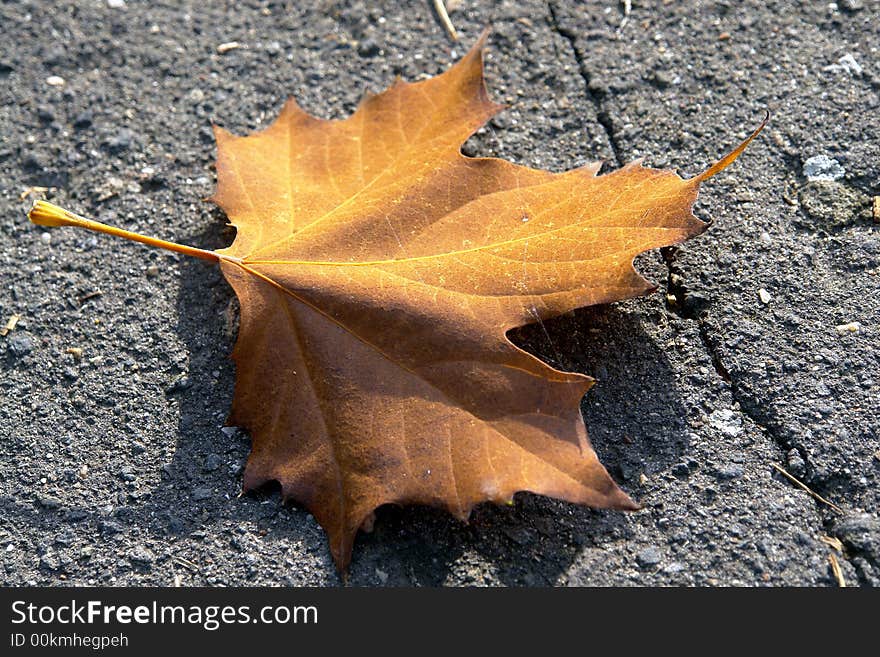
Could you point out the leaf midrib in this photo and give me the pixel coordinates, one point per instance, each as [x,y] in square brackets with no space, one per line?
[495,245]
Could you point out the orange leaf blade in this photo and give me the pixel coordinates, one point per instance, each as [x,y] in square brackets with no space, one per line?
[379,270]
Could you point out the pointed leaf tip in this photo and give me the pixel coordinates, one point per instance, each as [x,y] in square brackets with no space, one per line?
[476,50]
[484,37]
[731,157]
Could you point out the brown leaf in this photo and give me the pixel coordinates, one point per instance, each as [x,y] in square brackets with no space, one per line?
[378,271]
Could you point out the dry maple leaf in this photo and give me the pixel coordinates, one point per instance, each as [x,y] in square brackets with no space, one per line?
[379,270]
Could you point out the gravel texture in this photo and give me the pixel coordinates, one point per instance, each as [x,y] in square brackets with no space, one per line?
[759,348]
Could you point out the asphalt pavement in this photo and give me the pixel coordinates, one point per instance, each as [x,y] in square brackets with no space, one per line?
[758,352]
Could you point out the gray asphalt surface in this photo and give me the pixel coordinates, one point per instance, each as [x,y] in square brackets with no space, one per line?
[114,385]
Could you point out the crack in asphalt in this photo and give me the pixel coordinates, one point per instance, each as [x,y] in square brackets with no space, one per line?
[677,303]
[694,308]
[595,94]
[750,408]
[677,298]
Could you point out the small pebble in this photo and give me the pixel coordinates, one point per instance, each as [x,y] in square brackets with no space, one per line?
[764,295]
[49,562]
[180,385]
[46,238]
[116,4]
[368,48]
[83,120]
[662,79]
[141,557]
[226,47]
[33,162]
[152,271]
[119,142]
[727,422]
[49,502]
[851,327]
[176,524]
[212,463]
[55,81]
[76,515]
[201,494]
[846,64]
[796,464]
[20,344]
[648,557]
[730,471]
[822,167]
[851,6]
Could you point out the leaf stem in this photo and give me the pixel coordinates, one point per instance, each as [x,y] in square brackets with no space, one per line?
[47,214]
